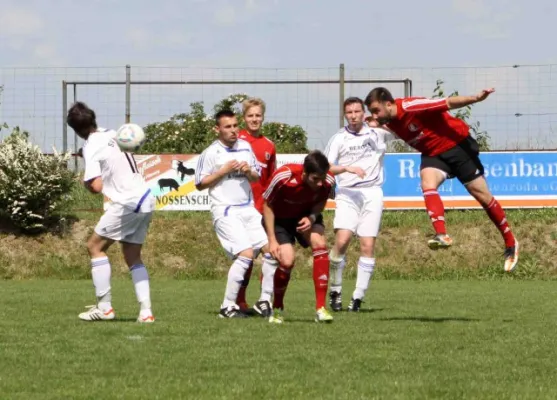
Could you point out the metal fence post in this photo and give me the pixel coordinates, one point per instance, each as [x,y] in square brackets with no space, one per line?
[128,93]
[75,134]
[341,95]
[64,116]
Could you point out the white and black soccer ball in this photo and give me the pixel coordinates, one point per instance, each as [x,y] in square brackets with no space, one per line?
[130,137]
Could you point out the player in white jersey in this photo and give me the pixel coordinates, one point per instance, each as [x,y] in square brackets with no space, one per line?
[127,218]
[356,155]
[226,168]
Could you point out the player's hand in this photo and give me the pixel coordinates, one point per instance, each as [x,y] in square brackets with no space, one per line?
[304,225]
[230,166]
[274,249]
[484,94]
[356,170]
[372,123]
[244,167]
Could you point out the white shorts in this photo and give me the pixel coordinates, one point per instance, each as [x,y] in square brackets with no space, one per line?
[359,210]
[124,224]
[241,229]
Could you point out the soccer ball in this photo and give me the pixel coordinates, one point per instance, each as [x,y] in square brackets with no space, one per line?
[130,137]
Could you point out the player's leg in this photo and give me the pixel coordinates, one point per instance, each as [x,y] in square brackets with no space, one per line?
[132,243]
[100,273]
[337,261]
[471,174]
[231,233]
[316,240]
[258,239]
[368,229]
[345,222]
[433,172]
[287,257]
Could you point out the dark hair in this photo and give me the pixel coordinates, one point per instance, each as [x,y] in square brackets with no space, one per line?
[353,100]
[82,119]
[316,163]
[379,94]
[226,113]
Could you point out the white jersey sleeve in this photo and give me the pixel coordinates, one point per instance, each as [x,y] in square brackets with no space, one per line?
[92,164]
[205,165]
[333,148]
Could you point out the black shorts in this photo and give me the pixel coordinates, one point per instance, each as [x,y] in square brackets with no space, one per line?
[462,161]
[285,231]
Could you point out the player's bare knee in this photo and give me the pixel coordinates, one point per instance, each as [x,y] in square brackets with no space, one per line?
[317,241]
[367,246]
[342,240]
[247,253]
[479,190]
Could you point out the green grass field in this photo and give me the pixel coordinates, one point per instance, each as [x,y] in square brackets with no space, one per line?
[413,340]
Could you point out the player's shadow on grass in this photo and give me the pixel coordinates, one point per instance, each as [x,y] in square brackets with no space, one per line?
[124,319]
[431,319]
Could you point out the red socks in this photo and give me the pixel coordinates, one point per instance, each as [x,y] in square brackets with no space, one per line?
[497,215]
[320,276]
[281,279]
[435,210]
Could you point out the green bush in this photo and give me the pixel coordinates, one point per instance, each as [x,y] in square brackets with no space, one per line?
[191,133]
[33,185]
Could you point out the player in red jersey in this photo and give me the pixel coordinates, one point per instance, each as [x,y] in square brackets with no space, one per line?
[266,155]
[294,201]
[448,151]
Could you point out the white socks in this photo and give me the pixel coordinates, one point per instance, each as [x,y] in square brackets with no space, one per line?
[365,271]
[235,279]
[140,279]
[267,285]
[100,272]
[337,263]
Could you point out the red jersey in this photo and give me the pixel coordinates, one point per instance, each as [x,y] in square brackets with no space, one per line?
[266,155]
[426,125]
[288,195]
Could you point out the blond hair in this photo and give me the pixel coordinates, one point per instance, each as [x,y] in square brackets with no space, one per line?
[253,102]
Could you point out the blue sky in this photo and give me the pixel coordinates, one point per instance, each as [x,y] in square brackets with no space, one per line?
[288,34]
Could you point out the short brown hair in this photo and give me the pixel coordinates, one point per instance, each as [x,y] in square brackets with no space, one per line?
[353,100]
[253,102]
[379,94]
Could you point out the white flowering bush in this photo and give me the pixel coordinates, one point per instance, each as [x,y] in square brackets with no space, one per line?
[33,185]
[191,133]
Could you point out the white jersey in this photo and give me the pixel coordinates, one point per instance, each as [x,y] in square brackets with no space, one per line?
[122,182]
[365,149]
[234,189]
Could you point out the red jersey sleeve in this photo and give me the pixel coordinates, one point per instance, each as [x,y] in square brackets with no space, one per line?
[280,177]
[418,104]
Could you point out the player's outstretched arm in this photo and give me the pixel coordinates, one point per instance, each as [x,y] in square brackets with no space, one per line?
[463,101]
[340,169]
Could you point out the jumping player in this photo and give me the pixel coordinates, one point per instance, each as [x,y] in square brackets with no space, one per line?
[448,150]
[226,168]
[294,201]
[127,219]
[265,153]
[356,154]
